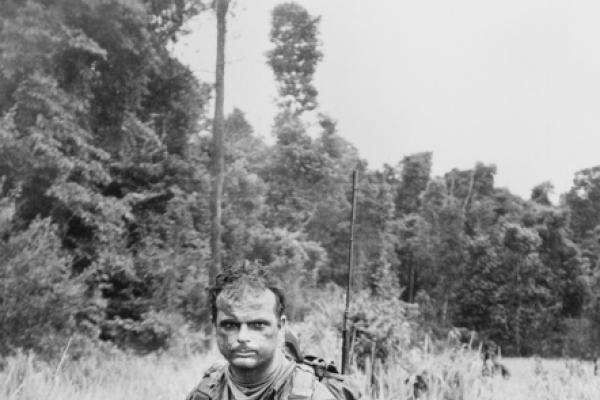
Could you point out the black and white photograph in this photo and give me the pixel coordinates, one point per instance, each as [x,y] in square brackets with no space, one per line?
[299,200]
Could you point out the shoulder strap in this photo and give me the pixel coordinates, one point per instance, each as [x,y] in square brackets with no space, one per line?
[303,383]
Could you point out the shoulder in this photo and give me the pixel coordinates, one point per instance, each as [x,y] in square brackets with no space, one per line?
[208,388]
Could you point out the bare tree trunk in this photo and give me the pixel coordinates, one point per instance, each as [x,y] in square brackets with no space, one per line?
[217,145]
[445,310]
[411,279]
[518,311]
[411,283]
[469,193]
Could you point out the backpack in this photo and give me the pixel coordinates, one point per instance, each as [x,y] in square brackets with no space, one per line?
[329,376]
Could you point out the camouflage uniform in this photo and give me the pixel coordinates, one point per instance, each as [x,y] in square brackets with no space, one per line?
[300,385]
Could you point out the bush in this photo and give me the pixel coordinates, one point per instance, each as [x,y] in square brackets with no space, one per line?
[156,332]
[389,323]
[38,296]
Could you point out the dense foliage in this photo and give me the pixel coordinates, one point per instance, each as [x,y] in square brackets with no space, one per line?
[104,198]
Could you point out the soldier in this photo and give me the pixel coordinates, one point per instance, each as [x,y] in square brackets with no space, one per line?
[248,312]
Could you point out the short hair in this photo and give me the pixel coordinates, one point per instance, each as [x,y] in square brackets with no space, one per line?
[255,276]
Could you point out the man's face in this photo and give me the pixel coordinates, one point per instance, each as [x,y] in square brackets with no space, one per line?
[248,330]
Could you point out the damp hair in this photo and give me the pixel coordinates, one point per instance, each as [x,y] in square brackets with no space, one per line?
[238,278]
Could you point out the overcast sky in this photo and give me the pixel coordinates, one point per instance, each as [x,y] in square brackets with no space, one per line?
[513,82]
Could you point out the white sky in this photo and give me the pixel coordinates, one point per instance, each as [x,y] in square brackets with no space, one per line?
[513,82]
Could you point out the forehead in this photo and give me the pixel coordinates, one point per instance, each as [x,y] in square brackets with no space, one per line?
[248,303]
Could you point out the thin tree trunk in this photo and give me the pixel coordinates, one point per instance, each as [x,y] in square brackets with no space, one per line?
[518,311]
[217,145]
[411,283]
[469,193]
[445,310]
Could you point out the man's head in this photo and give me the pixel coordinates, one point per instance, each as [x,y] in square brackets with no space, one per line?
[248,313]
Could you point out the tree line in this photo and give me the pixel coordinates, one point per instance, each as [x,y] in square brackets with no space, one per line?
[105,196]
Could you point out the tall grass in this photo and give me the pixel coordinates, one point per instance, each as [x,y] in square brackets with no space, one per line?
[116,377]
[452,375]
[104,373]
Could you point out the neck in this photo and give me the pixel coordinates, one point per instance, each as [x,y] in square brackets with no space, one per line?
[245,376]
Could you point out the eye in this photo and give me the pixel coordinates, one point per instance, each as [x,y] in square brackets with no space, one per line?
[258,324]
[229,325]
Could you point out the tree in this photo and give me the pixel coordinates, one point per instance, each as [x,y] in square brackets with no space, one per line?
[299,171]
[92,141]
[294,33]
[413,250]
[445,218]
[541,193]
[583,205]
[38,306]
[244,191]
[217,147]
[583,199]
[562,256]
[533,306]
[374,240]
[175,105]
[414,176]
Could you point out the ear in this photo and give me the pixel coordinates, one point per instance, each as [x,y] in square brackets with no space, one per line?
[282,322]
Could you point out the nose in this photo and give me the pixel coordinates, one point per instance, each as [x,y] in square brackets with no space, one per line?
[243,333]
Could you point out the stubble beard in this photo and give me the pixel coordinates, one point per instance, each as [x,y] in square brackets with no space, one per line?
[249,363]
[252,371]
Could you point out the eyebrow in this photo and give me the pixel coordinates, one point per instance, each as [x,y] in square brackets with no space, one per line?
[263,321]
[230,320]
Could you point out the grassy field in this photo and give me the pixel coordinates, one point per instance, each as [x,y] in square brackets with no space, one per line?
[547,379]
[453,375]
[117,377]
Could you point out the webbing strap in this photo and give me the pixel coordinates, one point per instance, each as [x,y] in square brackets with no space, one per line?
[303,384]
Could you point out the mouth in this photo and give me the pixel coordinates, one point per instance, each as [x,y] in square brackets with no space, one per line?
[245,353]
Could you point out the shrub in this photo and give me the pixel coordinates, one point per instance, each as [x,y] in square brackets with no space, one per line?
[388,323]
[38,296]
